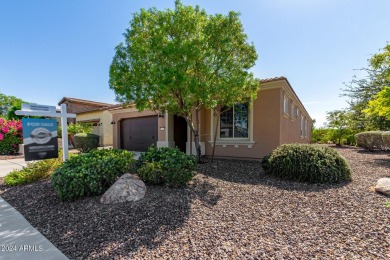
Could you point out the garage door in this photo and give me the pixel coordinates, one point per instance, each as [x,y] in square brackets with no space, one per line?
[137,134]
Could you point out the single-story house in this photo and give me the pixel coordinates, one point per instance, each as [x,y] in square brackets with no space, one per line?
[251,130]
[94,113]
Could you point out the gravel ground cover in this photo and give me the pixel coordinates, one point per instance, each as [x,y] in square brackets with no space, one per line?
[230,210]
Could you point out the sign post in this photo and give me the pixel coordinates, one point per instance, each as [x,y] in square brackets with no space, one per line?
[49,111]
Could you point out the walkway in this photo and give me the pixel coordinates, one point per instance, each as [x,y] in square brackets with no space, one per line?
[19,240]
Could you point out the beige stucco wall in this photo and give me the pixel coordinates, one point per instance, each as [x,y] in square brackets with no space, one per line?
[265,130]
[270,127]
[290,125]
[104,127]
[120,114]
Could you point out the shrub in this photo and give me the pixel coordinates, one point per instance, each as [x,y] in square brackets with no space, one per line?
[10,136]
[369,140]
[308,163]
[386,139]
[167,166]
[265,162]
[90,173]
[32,172]
[86,142]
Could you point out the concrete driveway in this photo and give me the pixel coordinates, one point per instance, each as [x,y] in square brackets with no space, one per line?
[7,166]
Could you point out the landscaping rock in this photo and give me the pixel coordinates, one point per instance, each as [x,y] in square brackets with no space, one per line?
[383,186]
[127,188]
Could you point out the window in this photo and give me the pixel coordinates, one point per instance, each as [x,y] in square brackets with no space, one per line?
[305,127]
[285,109]
[292,110]
[234,121]
[302,125]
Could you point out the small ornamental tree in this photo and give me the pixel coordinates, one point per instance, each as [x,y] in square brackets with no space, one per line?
[338,122]
[10,136]
[183,61]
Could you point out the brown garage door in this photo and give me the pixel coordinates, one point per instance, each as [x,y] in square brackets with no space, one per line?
[137,134]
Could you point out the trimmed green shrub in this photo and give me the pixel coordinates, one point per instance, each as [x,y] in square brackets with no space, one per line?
[34,171]
[265,162]
[370,140]
[386,140]
[167,166]
[90,173]
[308,163]
[86,142]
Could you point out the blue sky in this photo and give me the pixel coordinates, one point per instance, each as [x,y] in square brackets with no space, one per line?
[51,49]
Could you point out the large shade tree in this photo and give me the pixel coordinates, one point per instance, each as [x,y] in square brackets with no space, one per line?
[183,61]
[367,95]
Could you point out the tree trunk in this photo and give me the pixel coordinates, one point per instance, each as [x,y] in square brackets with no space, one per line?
[217,114]
[196,136]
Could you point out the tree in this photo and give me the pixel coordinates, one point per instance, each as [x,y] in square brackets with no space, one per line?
[338,121]
[380,106]
[8,106]
[362,91]
[183,61]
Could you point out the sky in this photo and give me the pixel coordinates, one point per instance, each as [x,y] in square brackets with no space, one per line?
[52,49]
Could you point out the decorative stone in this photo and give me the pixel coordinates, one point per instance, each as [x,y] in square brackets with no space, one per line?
[383,186]
[127,188]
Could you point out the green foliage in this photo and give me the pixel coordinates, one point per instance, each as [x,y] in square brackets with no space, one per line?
[369,140]
[380,106]
[308,163]
[368,106]
[8,106]
[33,171]
[75,128]
[86,142]
[265,162]
[386,139]
[339,122]
[167,166]
[177,60]
[319,135]
[91,173]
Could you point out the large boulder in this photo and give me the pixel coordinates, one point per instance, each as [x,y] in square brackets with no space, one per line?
[383,186]
[127,188]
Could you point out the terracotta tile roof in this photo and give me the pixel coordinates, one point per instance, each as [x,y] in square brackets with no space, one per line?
[84,101]
[272,79]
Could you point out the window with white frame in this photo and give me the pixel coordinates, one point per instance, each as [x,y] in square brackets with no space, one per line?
[285,105]
[234,122]
[302,125]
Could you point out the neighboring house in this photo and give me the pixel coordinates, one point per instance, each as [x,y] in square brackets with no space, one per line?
[252,130]
[94,113]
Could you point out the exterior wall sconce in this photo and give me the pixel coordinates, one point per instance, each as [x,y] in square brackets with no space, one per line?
[112,122]
[161,115]
[162,128]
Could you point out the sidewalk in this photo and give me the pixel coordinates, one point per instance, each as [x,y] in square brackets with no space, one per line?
[19,240]
[7,166]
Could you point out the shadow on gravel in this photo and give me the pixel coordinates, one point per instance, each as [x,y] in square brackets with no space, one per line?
[251,173]
[86,228]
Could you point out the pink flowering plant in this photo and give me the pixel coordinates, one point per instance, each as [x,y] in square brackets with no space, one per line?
[10,136]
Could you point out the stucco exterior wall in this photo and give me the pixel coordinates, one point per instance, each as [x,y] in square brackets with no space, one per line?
[290,122]
[264,127]
[104,128]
